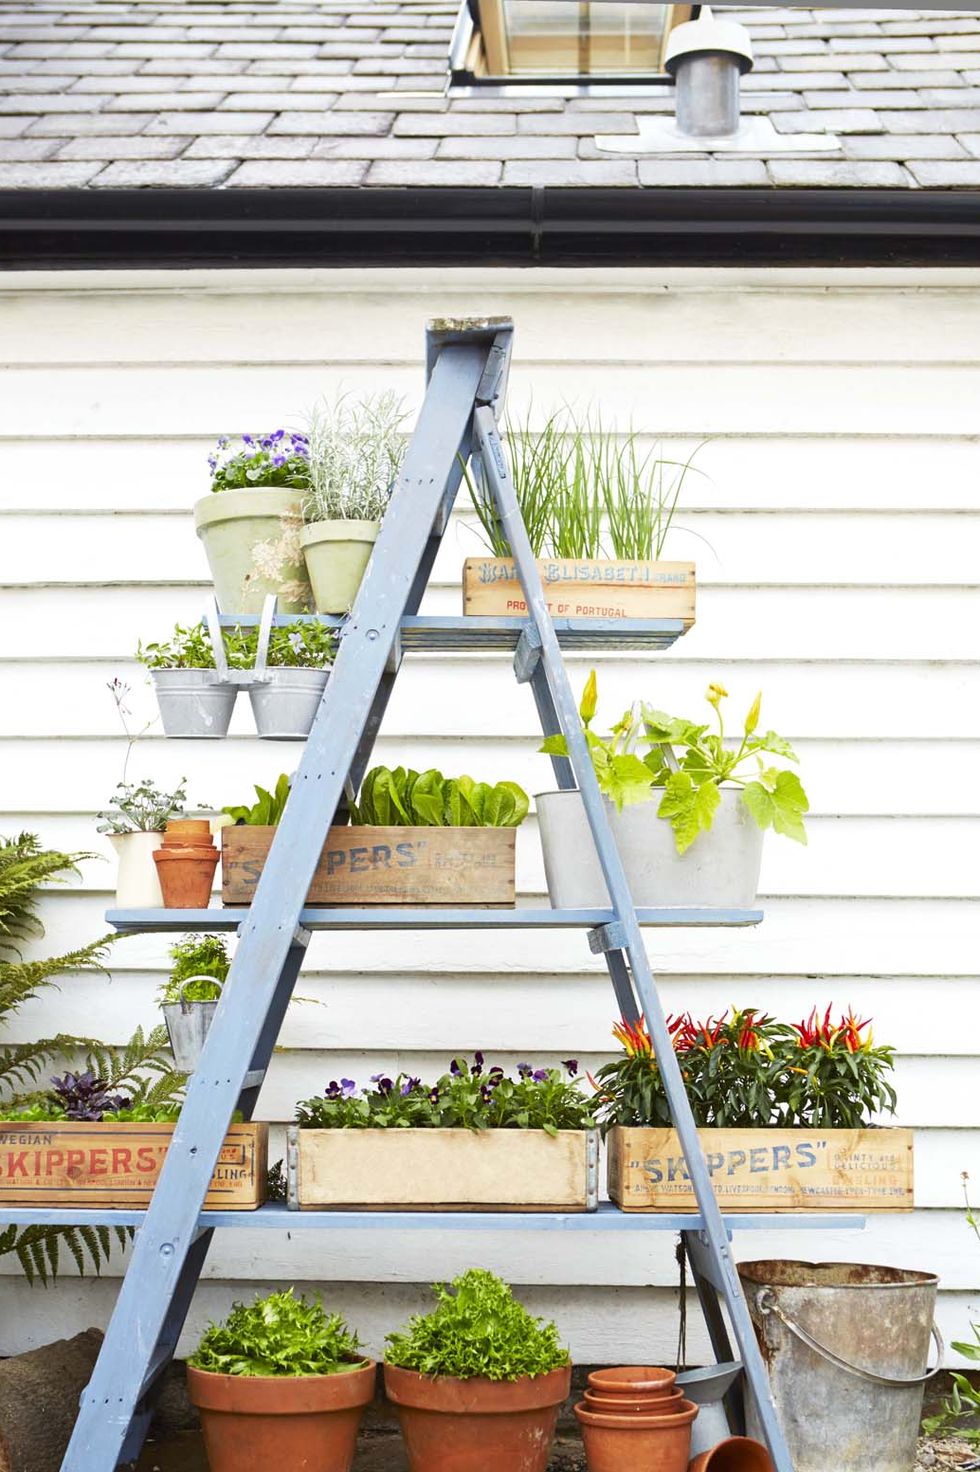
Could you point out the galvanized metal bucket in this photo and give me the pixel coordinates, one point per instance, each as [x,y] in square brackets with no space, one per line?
[188,1024]
[847,1346]
[194,703]
[285,702]
[284,699]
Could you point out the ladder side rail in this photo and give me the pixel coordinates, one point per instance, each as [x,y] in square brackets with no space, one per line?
[714,1319]
[498,477]
[267,934]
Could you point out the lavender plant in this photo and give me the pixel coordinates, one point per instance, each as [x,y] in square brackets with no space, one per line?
[279,458]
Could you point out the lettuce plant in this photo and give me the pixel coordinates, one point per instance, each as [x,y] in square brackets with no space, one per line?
[401,798]
[469,1096]
[278,1335]
[279,458]
[686,764]
[268,808]
[477,1331]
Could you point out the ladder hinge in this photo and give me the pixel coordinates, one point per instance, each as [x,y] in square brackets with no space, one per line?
[611,937]
[527,654]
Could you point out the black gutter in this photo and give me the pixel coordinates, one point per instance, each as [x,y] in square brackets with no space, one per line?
[91,229]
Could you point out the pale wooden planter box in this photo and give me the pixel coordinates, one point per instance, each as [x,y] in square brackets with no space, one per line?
[507,1170]
[601,588]
[384,866]
[765,1170]
[117,1165]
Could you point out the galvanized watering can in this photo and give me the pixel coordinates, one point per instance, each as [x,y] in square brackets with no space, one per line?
[847,1347]
[188,1024]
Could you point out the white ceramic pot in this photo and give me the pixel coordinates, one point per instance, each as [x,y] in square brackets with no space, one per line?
[720,870]
[337,554]
[137,884]
[286,701]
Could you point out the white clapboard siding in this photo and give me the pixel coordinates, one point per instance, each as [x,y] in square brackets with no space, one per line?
[764,470]
[835,520]
[42,779]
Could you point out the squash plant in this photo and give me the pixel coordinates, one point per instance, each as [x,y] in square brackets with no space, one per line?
[686,764]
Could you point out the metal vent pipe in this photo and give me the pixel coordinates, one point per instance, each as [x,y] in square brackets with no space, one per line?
[706,58]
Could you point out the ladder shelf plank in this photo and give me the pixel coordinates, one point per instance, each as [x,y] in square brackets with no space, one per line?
[477,633]
[608,1218]
[378,917]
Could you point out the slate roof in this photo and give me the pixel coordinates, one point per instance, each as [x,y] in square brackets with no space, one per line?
[256,93]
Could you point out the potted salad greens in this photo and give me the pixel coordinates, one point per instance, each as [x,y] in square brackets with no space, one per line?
[474,1138]
[134,824]
[194,700]
[290,666]
[598,507]
[281,1383]
[415,838]
[355,450]
[788,1115]
[478,1382]
[189,996]
[250,522]
[687,807]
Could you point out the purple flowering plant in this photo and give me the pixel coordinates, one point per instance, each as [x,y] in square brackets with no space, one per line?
[279,458]
[471,1096]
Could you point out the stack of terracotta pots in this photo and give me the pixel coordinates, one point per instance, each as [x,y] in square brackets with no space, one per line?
[186,861]
[635,1417]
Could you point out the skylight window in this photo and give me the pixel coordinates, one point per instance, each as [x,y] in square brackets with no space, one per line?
[563,40]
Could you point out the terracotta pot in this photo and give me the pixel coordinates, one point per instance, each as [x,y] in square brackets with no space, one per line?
[644,1405]
[469,1425]
[634,1381]
[186,875]
[187,833]
[737,1454]
[252,1423]
[653,1443]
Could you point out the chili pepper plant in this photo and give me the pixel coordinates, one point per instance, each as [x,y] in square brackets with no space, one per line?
[745,1069]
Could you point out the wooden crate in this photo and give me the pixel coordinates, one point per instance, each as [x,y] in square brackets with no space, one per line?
[765,1170]
[600,588]
[384,866]
[117,1165]
[509,1170]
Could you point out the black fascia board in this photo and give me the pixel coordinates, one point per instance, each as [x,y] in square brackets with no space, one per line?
[92,229]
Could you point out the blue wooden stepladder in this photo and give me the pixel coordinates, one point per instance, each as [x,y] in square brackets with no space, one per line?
[467,365]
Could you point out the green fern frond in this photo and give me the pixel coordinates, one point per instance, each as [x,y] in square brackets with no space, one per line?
[24,867]
[38,1249]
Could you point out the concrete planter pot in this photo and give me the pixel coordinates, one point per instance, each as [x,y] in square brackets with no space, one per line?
[194,703]
[285,702]
[253,1422]
[188,1024]
[471,1425]
[137,883]
[337,554]
[720,870]
[251,539]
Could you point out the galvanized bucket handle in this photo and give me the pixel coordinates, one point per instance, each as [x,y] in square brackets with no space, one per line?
[185,1005]
[766,1303]
[265,634]
[217,642]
